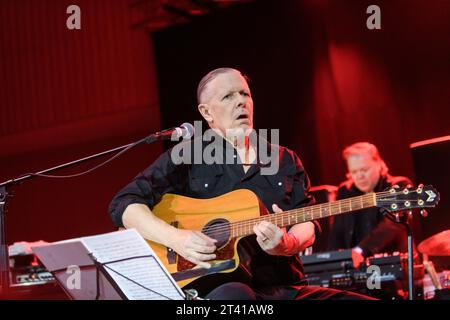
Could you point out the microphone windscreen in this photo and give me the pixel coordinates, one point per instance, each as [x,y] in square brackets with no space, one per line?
[188,130]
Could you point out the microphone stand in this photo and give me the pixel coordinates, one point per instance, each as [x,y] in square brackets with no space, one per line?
[404,219]
[410,262]
[4,186]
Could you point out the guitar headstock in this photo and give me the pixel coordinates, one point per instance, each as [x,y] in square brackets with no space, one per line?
[398,199]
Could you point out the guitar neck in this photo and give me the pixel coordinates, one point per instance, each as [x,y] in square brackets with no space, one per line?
[300,215]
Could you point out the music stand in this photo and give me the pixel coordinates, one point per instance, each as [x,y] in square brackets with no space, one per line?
[83,277]
[61,260]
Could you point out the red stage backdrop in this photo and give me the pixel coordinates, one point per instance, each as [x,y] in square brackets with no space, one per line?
[320,76]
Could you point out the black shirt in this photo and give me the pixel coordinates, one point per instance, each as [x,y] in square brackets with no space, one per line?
[288,188]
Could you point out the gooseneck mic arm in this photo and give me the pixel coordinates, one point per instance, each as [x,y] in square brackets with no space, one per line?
[186,131]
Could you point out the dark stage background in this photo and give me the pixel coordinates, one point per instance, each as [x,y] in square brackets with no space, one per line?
[319,75]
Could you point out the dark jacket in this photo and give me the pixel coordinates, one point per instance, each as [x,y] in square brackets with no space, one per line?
[368,228]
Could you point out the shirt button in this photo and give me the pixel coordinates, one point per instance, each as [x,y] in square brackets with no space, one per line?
[234,156]
[279,183]
[206,185]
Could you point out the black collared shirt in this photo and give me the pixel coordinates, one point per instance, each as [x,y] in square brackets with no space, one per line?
[288,188]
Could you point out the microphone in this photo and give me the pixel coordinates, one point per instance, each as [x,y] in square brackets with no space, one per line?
[185,131]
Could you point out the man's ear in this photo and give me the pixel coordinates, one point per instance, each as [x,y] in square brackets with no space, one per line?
[205,111]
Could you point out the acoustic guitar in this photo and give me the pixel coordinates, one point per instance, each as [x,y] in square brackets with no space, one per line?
[230,217]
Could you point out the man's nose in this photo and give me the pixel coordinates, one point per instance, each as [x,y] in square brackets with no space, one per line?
[242,102]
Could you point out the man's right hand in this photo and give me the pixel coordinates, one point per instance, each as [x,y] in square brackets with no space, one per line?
[194,246]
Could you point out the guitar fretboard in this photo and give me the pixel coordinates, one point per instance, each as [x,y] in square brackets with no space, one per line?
[300,215]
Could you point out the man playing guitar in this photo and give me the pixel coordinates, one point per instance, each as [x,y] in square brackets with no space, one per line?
[269,266]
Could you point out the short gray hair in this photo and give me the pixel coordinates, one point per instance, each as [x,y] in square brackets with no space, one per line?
[211,76]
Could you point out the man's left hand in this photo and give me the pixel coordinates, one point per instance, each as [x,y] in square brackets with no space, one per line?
[273,240]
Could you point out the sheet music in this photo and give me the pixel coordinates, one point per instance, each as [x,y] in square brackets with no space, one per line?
[145,271]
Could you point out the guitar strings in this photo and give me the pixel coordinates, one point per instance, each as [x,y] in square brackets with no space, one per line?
[281,216]
[228,227]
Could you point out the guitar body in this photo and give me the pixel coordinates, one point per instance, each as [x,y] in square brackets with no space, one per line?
[212,217]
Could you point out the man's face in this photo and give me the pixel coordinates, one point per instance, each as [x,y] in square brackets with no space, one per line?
[364,171]
[228,101]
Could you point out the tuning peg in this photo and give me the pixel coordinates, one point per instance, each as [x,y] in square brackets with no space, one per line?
[420,188]
[424,213]
[394,188]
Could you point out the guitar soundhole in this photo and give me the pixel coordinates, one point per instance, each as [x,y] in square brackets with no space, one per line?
[218,229]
